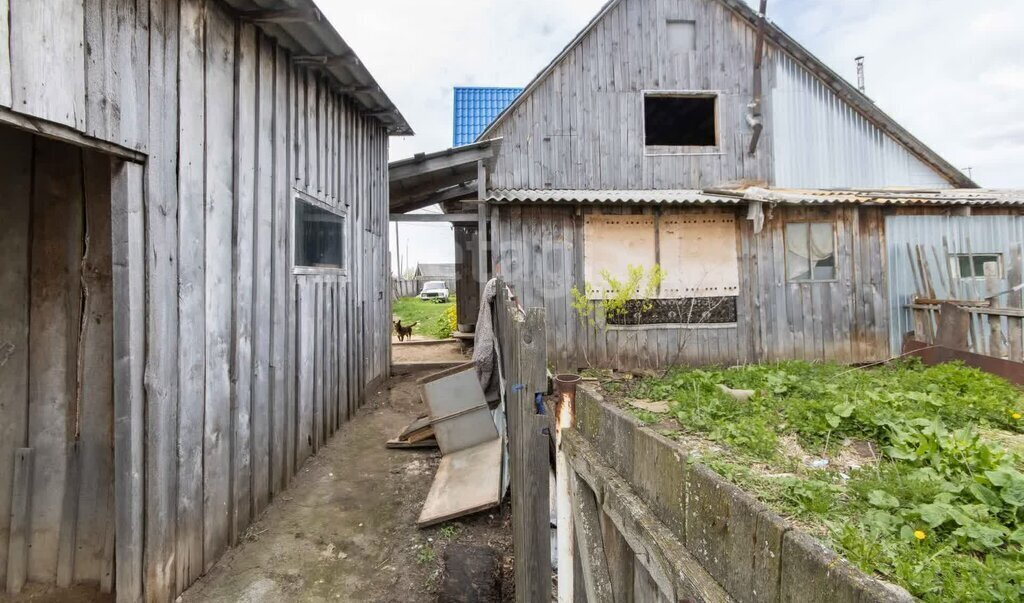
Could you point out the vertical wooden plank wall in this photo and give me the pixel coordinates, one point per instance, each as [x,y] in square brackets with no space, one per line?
[539,253]
[210,326]
[582,126]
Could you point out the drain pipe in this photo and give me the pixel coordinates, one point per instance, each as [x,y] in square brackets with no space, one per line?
[565,416]
[754,108]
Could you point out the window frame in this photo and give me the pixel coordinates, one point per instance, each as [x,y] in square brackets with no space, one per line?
[342,212]
[955,258]
[835,252]
[681,150]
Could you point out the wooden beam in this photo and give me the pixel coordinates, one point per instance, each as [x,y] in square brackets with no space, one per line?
[55,131]
[446,160]
[21,505]
[481,232]
[452,218]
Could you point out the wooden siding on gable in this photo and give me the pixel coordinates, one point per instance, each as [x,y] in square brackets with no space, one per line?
[582,127]
[540,250]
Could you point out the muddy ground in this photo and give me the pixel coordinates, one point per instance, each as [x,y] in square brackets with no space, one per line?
[435,350]
[345,529]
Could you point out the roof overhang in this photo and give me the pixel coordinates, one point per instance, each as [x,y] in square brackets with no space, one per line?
[736,196]
[301,27]
[430,178]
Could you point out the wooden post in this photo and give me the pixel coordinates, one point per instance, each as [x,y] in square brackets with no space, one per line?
[129,356]
[587,523]
[1014,270]
[992,287]
[481,233]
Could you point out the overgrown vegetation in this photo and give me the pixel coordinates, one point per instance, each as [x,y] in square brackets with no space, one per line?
[934,505]
[434,320]
[640,284]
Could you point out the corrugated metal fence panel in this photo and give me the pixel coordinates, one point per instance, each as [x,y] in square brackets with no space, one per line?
[965,234]
[821,142]
[476,108]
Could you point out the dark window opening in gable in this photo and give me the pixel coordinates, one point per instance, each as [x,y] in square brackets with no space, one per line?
[319,236]
[680,121]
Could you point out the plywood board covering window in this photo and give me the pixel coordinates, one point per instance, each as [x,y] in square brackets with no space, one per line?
[698,255]
[614,243]
[810,251]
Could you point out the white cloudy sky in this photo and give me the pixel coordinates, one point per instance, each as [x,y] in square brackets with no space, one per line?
[950,71]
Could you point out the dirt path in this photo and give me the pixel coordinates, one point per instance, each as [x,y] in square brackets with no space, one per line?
[345,530]
[429,351]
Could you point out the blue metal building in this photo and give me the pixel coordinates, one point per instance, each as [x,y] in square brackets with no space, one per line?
[476,108]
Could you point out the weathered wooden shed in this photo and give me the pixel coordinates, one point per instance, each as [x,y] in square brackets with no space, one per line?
[193,223]
[698,136]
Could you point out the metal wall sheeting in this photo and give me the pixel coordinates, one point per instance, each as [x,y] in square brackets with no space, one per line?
[977,234]
[821,142]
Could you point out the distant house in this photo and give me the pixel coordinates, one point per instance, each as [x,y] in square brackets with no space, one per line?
[437,272]
[476,108]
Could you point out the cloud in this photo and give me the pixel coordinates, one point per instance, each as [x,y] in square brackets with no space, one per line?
[950,71]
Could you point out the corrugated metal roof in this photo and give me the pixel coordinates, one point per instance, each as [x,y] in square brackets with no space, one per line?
[958,196]
[966,196]
[301,27]
[475,108]
[608,196]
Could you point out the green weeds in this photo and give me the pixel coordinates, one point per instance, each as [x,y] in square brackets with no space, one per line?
[940,512]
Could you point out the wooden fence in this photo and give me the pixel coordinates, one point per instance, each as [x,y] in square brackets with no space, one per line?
[993,302]
[522,372]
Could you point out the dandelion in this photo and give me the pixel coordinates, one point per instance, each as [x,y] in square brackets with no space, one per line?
[1016,416]
[919,534]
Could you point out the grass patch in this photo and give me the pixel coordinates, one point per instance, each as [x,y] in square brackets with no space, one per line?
[434,320]
[937,507]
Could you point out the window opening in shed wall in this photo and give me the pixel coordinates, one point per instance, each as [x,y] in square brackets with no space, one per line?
[319,236]
[680,121]
[973,265]
[810,251]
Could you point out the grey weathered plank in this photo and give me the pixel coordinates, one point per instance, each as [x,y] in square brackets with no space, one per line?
[162,255]
[16,567]
[55,297]
[15,230]
[128,252]
[191,292]
[69,517]
[48,79]
[217,439]
[5,88]
[95,376]
[262,276]
[586,515]
[304,426]
[243,278]
[282,388]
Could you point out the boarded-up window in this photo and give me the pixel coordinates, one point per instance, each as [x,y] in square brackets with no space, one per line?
[682,35]
[319,236]
[614,243]
[698,254]
[810,251]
